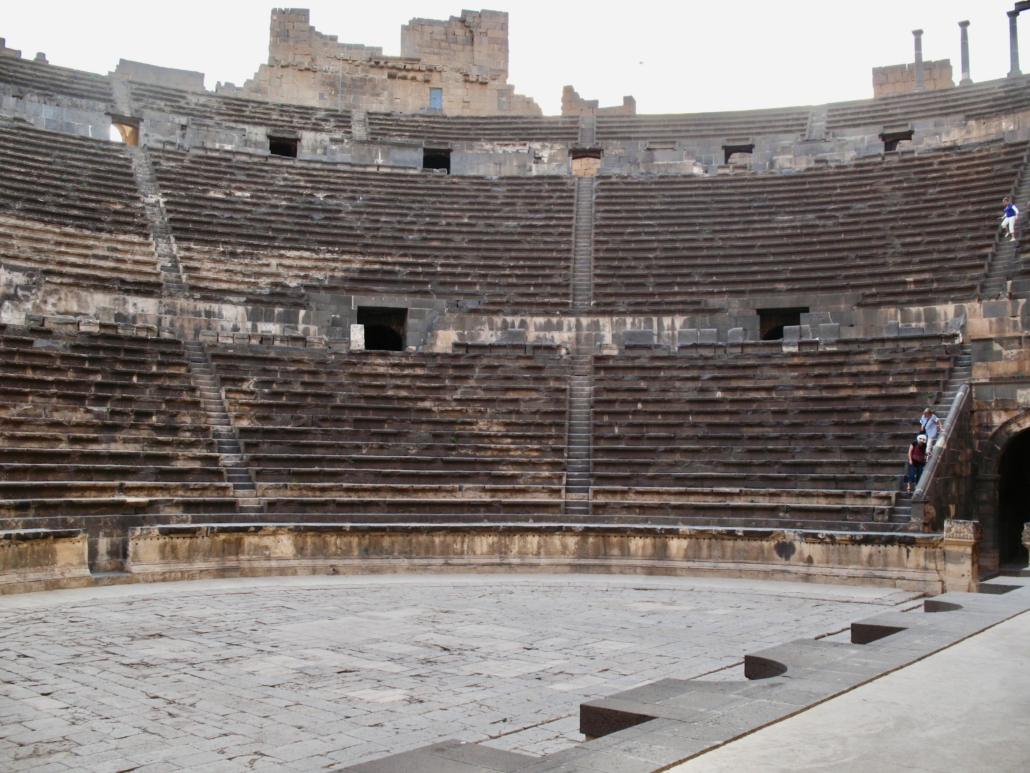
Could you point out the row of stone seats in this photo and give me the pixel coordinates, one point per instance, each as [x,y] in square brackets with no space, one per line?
[96,429]
[234,111]
[818,436]
[912,229]
[246,225]
[330,433]
[39,78]
[494,128]
[978,101]
[70,210]
[740,124]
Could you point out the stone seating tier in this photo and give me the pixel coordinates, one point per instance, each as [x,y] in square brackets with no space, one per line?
[251,225]
[897,111]
[916,229]
[496,128]
[70,210]
[39,78]
[739,124]
[234,111]
[803,425]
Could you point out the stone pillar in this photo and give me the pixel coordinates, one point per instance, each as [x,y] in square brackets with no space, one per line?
[1026,544]
[357,338]
[961,565]
[987,516]
[1014,44]
[964,26]
[920,81]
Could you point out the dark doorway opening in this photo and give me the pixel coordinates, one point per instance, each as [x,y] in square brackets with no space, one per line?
[433,158]
[772,321]
[891,140]
[384,328]
[738,150]
[1014,500]
[282,146]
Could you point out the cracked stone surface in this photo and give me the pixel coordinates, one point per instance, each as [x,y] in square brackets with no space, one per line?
[315,673]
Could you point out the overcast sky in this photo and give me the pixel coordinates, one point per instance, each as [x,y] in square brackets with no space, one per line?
[674,57]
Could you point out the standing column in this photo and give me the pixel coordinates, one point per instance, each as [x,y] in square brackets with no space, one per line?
[1014,44]
[920,82]
[964,26]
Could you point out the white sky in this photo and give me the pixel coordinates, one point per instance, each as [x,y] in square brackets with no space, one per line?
[674,57]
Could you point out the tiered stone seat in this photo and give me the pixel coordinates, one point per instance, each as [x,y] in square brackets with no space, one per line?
[251,226]
[981,100]
[916,229]
[804,440]
[70,210]
[102,432]
[331,436]
[493,128]
[40,78]
[234,111]
[729,125]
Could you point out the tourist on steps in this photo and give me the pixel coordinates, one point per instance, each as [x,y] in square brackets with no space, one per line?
[932,427]
[916,460]
[1008,219]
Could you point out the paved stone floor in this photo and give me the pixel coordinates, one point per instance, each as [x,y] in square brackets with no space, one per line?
[314,673]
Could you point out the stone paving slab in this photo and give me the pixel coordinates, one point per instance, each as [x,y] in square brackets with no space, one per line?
[317,673]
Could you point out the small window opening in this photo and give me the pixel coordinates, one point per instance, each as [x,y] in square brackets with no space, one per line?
[384,328]
[772,321]
[124,129]
[436,99]
[891,140]
[739,151]
[436,159]
[282,146]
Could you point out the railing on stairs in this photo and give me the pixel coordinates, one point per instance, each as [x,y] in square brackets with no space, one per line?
[924,492]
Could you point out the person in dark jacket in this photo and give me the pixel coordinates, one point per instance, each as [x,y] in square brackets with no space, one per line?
[916,460]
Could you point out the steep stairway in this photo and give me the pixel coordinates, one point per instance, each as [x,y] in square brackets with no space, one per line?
[816,129]
[164,245]
[202,374]
[960,374]
[1006,254]
[583,246]
[587,130]
[577,475]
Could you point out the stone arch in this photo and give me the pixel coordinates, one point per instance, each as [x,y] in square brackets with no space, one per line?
[988,481]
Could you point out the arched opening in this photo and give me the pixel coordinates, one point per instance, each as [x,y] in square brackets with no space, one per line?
[384,328]
[1014,500]
[772,321]
[381,338]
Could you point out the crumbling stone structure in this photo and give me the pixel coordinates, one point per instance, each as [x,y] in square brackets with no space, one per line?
[454,67]
[901,78]
[573,104]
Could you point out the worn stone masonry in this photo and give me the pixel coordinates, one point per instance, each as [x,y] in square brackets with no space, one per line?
[465,59]
[901,78]
[573,104]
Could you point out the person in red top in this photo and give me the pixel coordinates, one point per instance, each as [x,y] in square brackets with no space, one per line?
[916,460]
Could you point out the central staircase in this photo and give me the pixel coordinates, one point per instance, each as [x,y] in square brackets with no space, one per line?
[237,473]
[577,474]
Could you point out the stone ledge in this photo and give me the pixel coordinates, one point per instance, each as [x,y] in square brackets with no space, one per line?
[910,561]
[43,559]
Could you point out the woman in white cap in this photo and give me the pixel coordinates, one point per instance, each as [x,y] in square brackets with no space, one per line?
[916,460]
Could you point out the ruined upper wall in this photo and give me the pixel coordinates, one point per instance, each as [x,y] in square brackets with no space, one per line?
[901,78]
[465,58]
[573,104]
[477,40]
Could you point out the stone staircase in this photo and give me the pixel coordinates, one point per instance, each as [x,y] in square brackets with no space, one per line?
[577,474]
[583,245]
[960,374]
[237,473]
[1006,252]
[587,130]
[816,129]
[164,245]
